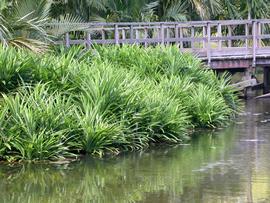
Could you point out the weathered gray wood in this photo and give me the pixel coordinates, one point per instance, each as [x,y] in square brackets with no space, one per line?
[263,96]
[246,34]
[176,33]
[167,35]
[123,34]
[145,36]
[185,33]
[103,34]
[219,31]
[88,39]
[204,35]
[131,32]
[67,40]
[254,44]
[229,35]
[116,34]
[137,36]
[259,32]
[192,36]
[181,37]
[162,33]
[244,84]
[209,43]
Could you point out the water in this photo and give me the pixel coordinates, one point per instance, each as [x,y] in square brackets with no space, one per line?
[231,165]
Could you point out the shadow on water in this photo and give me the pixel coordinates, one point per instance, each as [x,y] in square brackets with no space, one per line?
[231,165]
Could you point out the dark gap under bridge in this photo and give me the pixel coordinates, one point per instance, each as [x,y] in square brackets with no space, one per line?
[233,45]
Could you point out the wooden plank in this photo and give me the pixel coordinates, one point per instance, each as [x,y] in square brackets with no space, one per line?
[88,39]
[244,84]
[176,31]
[259,32]
[162,34]
[254,44]
[219,31]
[209,43]
[123,34]
[192,36]
[67,40]
[167,35]
[263,96]
[116,34]
[145,36]
[103,34]
[204,35]
[137,36]
[229,35]
[131,32]
[209,49]
[246,35]
[181,37]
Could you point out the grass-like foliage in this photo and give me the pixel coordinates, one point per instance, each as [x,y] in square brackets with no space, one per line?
[105,100]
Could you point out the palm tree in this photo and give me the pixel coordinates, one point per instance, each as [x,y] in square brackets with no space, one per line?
[26,23]
[22,24]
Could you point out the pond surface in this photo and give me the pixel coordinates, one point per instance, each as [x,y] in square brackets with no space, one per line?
[232,165]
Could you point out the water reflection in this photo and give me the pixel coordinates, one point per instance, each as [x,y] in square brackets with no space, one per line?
[231,165]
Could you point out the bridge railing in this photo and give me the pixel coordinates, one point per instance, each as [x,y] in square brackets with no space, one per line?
[207,39]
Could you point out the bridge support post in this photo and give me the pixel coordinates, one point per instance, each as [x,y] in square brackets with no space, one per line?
[248,76]
[266,79]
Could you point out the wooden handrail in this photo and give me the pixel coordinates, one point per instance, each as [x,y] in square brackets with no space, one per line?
[207,39]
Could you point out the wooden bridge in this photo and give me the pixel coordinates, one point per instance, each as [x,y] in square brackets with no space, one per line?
[230,44]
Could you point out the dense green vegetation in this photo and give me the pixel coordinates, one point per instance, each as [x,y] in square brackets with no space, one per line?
[24,23]
[163,10]
[69,102]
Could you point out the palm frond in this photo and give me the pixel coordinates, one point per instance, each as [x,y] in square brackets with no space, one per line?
[65,24]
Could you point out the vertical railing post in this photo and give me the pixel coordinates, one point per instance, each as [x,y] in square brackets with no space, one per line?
[145,36]
[254,42]
[192,37]
[209,43]
[123,35]
[137,36]
[131,34]
[259,33]
[168,35]
[219,29]
[116,34]
[176,34]
[181,38]
[67,40]
[229,35]
[204,35]
[162,36]
[103,35]
[88,39]
[247,34]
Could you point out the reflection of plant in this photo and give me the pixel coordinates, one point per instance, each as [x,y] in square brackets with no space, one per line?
[124,179]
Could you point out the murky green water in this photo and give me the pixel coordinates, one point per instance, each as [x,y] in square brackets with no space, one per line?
[232,165]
